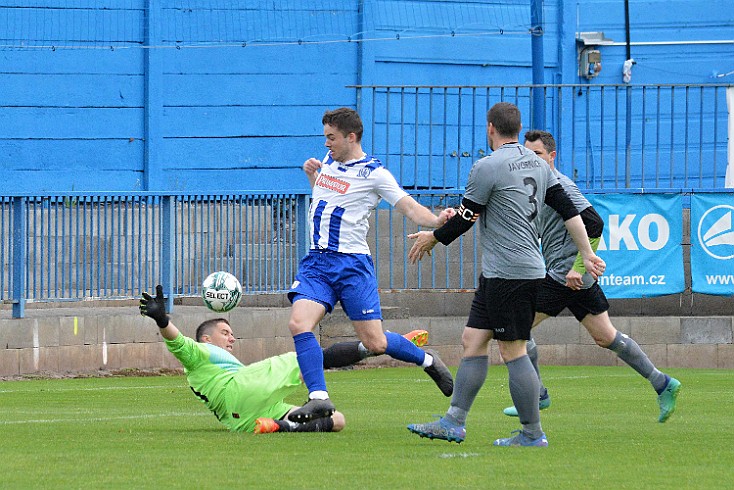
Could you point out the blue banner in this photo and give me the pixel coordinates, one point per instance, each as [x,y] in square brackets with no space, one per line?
[641,244]
[712,243]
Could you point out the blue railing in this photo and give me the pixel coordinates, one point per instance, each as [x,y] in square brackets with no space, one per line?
[82,246]
[88,246]
[609,137]
[453,268]
[114,246]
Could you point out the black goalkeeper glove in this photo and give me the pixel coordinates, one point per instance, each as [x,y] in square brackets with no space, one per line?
[155,308]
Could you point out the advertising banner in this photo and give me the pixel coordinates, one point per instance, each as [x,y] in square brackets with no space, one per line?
[641,244]
[712,243]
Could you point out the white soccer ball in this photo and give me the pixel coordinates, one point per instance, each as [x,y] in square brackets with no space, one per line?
[221,291]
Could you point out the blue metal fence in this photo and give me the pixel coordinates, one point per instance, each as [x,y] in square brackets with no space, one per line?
[87,246]
[91,246]
[455,268]
[609,136]
[78,246]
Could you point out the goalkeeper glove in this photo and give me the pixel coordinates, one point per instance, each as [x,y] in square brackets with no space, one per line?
[155,308]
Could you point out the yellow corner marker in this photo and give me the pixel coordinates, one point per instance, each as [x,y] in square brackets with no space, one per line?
[76,325]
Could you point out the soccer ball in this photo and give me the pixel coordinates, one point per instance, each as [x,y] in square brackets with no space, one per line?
[221,291]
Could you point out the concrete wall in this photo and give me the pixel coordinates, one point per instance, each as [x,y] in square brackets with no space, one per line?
[78,339]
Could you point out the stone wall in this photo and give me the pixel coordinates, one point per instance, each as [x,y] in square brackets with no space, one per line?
[93,338]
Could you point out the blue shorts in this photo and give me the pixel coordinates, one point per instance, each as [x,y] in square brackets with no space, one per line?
[326,277]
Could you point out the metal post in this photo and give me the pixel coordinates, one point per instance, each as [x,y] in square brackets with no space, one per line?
[303,241]
[628,139]
[536,21]
[167,251]
[153,104]
[19,256]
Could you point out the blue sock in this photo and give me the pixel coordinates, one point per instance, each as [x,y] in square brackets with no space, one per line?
[310,360]
[398,347]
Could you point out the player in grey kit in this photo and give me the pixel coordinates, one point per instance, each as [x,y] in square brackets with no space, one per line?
[567,285]
[504,193]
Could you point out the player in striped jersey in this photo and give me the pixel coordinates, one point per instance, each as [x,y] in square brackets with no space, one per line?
[347,185]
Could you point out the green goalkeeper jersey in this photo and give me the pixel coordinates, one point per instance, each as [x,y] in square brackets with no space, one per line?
[237,394]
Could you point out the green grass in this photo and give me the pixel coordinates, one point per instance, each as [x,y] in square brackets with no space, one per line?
[150,432]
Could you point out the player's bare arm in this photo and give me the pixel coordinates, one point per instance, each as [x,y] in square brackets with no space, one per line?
[594,226]
[311,168]
[421,215]
[458,224]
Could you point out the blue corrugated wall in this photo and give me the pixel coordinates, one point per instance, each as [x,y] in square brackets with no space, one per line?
[146,103]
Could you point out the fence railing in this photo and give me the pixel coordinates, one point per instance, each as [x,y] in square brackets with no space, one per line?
[78,246]
[609,136]
[112,246]
[87,246]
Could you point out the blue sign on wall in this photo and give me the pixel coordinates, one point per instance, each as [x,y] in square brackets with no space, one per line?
[641,244]
[712,243]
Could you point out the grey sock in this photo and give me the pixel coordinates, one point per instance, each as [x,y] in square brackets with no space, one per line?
[532,349]
[469,380]
[630,352]
[525,391]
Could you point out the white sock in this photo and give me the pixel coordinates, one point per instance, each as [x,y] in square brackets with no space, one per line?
[318,395]
[428,361]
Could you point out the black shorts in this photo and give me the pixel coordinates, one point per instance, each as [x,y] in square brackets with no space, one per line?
[553,297]
[506,306]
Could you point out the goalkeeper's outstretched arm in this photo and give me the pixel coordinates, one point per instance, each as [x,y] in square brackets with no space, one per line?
[155,308]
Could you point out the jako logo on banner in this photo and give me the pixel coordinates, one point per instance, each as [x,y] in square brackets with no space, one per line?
[715,232]
[641,244]
[653,232]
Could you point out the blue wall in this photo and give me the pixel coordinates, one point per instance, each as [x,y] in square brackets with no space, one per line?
[672,41]
[195,98]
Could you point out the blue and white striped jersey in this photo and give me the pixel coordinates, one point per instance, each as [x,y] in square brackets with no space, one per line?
[343,199]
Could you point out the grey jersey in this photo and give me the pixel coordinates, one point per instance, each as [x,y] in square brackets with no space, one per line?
[511,184]
[559,249]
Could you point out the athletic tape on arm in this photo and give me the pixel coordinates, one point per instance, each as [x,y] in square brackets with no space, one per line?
[594,226]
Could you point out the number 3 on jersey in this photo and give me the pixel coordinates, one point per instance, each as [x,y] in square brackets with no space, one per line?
[530,182]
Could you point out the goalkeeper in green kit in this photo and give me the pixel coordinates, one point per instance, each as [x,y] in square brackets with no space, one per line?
[248,398]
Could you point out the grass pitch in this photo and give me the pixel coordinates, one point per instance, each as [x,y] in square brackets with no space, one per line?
[151,432]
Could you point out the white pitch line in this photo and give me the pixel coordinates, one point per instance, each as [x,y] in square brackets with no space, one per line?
[101,388]
[84,420]
[458,455]
[104,346]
